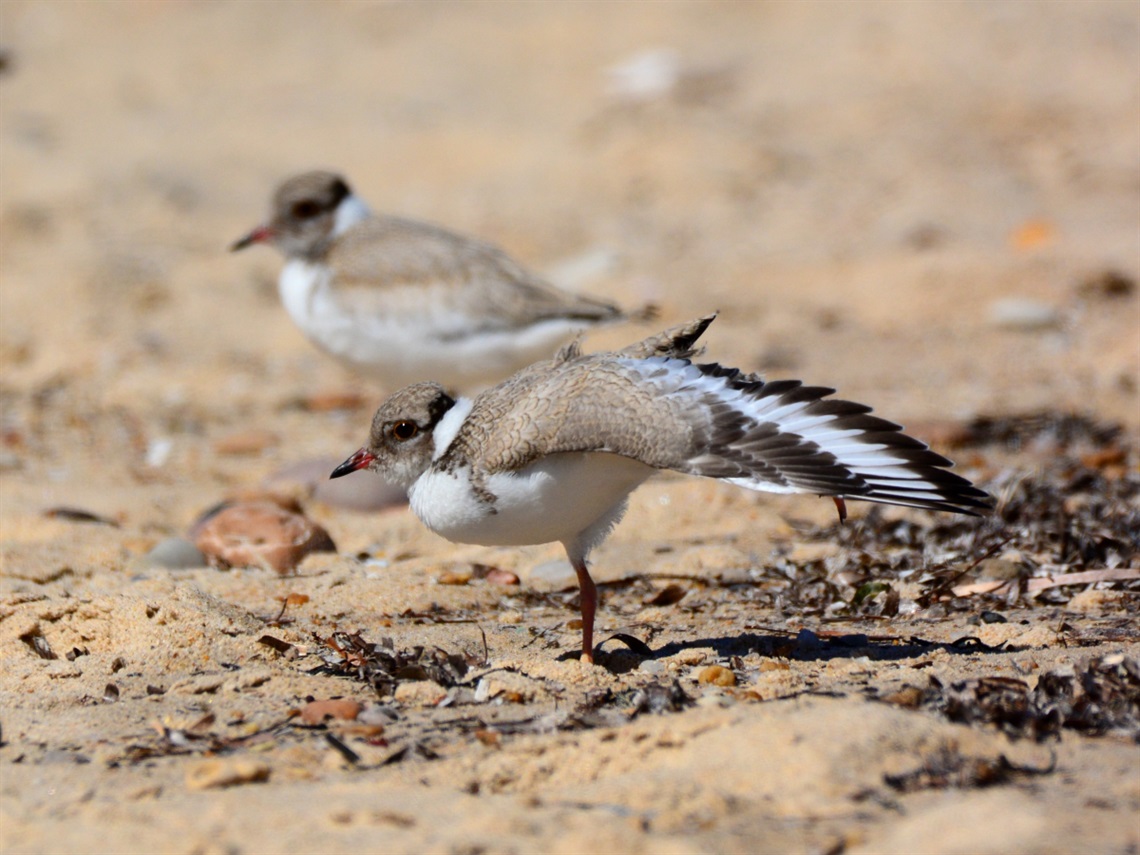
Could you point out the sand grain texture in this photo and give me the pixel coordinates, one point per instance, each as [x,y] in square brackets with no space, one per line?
[854,187]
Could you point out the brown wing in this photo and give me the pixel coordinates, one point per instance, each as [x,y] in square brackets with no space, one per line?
[390,254]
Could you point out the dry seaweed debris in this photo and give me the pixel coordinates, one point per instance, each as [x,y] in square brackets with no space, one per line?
[1068,502]
[949,768]
[1100,697]
[198,737]
[383,666]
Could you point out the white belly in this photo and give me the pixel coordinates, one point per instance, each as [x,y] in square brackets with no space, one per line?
[557,499]
[402,338]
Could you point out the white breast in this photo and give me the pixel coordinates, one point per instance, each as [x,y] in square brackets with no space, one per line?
[299,281]
[558,499]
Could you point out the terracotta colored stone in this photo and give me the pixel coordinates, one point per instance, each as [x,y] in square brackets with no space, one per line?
[260,534]
[454,577]
[316,712]
[498,576]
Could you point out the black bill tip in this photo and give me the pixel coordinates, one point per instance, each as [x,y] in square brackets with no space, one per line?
[359,460]
[262,234]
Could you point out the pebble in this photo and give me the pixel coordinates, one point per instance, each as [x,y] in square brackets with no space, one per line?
[10,461]
[317,712]
[717,675]
[261,534]
[174,553]
[644,76]
[908,607]
[1023,313]
[454,577]
[158,452]
[483,691]
[1096,600]
[557,574]
[499,576]
[420,693]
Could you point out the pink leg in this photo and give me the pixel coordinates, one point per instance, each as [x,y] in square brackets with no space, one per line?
[841,506]
[589,597]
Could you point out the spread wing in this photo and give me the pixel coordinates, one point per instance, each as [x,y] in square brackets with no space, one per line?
[669,413]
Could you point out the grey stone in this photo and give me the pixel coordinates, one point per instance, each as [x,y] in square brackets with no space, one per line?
[557,574]
[175,553]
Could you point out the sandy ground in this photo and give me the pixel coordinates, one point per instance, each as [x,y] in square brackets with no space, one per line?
[856,187]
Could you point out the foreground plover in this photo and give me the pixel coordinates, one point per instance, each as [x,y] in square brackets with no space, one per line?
[552,453]
[406,301]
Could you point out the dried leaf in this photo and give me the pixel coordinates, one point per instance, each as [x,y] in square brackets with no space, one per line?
[38,644]
[1038,584]
[79,515]
[347,753]
[868,592]
[667,596]
[275,643]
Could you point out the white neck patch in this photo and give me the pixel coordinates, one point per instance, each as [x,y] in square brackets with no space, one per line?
[349,212]
[447,427]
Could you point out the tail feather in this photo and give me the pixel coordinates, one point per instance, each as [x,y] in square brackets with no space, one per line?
[679,342]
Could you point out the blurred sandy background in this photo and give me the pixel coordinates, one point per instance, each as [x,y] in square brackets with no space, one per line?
[934,207]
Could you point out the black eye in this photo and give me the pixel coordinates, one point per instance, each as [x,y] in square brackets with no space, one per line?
[403,431]
[306,209]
